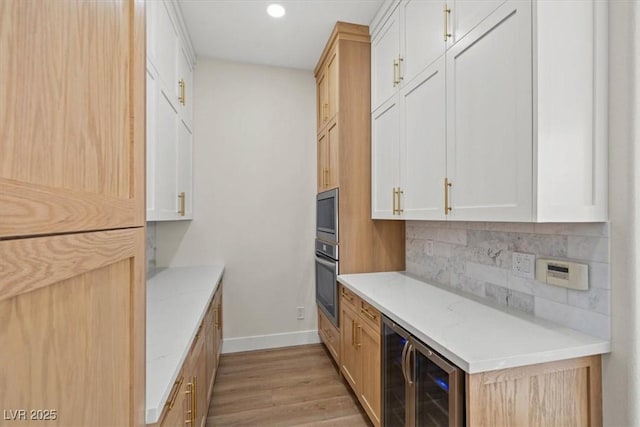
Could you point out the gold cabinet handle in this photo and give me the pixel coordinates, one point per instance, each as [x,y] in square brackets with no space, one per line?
[172,400]
[400,192]
[182,99]
[182,197]
[353,332]
[400,78]
[367,313]
[190,391]
[347,296]
[359,340]
[395,72]
[447,187]
[446,12]
[325,109]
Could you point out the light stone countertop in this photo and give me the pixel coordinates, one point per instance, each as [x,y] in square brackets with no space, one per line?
[472,335]
[177,299]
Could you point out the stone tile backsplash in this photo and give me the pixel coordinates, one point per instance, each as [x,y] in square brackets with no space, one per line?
[151,246]
[475,258]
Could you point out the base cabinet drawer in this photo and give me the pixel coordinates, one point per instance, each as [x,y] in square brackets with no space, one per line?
[330,335]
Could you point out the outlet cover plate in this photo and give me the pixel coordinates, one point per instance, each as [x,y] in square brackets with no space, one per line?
[523,265]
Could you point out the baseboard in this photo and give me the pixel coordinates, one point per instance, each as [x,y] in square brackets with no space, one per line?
[261,342]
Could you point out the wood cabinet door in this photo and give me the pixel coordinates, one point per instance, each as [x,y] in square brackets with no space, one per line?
[423,36]
[72,110]
[333,84]
[423,148]
[218,326]
[72,327]
[385,51]
[202,384]
[209,329]
[177,414]
[322,96]
[323,161]
[489,118]
[349,355]
[369,387]
[385,140]
[333,152]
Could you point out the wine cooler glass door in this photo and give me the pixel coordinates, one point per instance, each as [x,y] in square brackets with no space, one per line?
[395,346]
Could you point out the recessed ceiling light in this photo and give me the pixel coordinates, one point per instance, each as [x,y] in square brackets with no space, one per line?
[276,10]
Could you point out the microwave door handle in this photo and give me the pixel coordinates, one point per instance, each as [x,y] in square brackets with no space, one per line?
[329,264]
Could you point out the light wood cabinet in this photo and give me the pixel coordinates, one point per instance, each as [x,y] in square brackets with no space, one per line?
[518,145]
[360,351]
[169,115]
[72,301]
[328,163]
[189,399]
[327,89]
[330,335]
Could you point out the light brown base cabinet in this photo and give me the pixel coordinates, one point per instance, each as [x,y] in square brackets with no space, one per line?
[360,351]
[188,401]
[330,336]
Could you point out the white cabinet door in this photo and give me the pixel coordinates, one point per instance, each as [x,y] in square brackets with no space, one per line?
[423,36]
[166,196]
[466,14]
[385,136]
[185,75]
[166,50]
[185,171]
[489,119]
[152,118]
[423,153]
[385,52]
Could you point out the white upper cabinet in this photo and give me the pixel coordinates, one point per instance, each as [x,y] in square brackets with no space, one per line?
[170,65]
[489,101]
[503,119]
[385,60]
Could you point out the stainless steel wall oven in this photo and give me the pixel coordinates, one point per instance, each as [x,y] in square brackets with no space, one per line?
[327,279]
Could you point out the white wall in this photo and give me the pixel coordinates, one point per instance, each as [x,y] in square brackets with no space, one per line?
[621,369]
[254,199]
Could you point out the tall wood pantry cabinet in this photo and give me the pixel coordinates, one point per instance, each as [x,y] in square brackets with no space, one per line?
[72,239]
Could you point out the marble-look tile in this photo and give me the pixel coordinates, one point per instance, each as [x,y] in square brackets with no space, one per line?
[495,240]
[595,229]
[599,275]
[468,285]
[494,275]
[441,249]
[520,301]
[538,289]
[594,299]
[547,245]
[497,294]
[589,248]
[458,237]
[589,322]
[467,225]
[488,256]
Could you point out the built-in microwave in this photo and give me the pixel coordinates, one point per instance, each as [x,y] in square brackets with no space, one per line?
[327,216]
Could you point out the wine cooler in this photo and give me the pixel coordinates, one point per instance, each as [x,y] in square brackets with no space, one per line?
[420,387]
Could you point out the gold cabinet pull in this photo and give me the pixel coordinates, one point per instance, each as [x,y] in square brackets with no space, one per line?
[396,67]
[446,12]
[347,296]
[190,391]
[172,400]
[182,197]
[447,186]
[400,78]
[182,99]
[400,193]
[367,313]
[353,332]
[359,340]
[325,110]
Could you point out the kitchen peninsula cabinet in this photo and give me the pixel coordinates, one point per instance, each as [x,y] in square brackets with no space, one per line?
[360,351]
[72,237]
[518,143]
[170,67]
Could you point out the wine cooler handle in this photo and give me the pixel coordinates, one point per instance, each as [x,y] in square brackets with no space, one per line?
[410,352]
[404,361]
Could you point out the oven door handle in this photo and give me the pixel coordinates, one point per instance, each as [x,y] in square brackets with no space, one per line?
[326,263]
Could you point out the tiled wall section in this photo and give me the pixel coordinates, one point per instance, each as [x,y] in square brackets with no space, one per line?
[475,257]
[151,246]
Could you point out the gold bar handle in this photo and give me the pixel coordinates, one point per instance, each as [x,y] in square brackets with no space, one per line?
[359,341]
[182,196]
[446,12]
[396,66]
[400,192]
[190,418]
[172,400]
[353,332]
[347,296]
[447,186]
[182,97]
[368,313]
[400,59]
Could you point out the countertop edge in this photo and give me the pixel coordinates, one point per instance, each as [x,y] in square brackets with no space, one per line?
[153,413]
[487,365]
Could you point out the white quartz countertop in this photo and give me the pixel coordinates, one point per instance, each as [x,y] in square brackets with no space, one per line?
[177,299]
[474,336]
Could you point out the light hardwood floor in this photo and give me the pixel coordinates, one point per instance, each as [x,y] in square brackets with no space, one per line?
[294,386]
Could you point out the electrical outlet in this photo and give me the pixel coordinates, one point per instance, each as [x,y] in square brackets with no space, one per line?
[300,313]
[429,248]
[523,265]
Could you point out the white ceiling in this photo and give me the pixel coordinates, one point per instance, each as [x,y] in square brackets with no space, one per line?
[241,30]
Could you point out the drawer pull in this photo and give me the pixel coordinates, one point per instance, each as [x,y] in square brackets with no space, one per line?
[172,400]
[347,296]
[368,313]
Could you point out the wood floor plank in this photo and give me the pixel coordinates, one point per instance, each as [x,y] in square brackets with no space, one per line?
[294,386]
